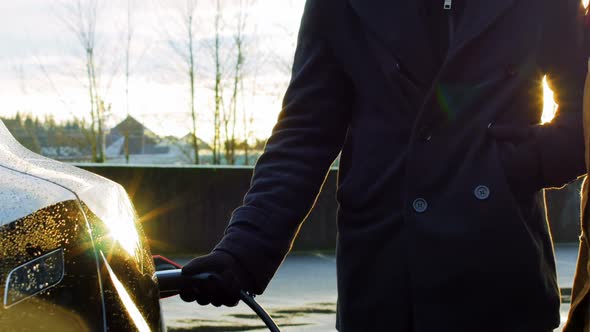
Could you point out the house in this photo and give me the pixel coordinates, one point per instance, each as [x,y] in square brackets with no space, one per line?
[140,139]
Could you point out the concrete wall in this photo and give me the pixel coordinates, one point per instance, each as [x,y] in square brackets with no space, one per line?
[186,209]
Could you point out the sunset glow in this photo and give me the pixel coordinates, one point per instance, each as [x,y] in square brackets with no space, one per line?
[549,105]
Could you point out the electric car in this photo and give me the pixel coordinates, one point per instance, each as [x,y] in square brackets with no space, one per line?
[72,253]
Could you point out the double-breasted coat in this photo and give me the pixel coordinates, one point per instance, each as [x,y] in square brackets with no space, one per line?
[439,227]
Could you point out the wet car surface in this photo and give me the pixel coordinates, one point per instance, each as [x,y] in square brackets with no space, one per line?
[73,254]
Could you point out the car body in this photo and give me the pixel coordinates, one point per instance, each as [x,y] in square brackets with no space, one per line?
[73,255]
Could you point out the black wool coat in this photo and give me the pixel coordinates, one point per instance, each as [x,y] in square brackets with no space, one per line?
[439,225]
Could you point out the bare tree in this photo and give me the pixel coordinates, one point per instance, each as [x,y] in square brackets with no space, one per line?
[186,50]
[223,112]
[218,87]
[191,71]
[248,117]
[129,37]
[81,18]
[239,41]
[131,59]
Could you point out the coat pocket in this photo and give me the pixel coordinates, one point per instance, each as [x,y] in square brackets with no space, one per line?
[514,196]
[522,200]
[515,150]
[501,170]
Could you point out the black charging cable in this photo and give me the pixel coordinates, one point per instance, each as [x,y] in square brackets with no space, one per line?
[170,282]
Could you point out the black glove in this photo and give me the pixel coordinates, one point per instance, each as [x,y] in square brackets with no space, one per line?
[224,288]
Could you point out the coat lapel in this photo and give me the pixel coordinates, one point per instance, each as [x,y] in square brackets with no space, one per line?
[398,24]
[477,17]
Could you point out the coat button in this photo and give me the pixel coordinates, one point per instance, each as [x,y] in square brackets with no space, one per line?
[424,133]
[398,67]
[482,193]
[420,205]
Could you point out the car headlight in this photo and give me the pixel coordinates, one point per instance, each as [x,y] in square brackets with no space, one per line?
[34,277]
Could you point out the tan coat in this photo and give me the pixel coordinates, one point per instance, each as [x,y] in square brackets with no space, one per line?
[579,316]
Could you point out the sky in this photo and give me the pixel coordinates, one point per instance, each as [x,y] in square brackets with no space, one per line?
[42,68]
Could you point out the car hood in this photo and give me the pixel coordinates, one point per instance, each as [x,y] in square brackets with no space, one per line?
[22,195]
[43,182]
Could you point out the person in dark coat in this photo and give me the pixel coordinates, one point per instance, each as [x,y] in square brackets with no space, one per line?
[434,107]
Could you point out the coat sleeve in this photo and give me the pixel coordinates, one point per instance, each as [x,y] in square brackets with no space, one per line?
[304,143]
[560,144]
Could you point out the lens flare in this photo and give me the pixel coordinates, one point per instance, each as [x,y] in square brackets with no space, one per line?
[120,220]
[549,105]
[585,3]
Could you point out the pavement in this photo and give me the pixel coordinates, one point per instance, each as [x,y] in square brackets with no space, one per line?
[566,256]
[302,297]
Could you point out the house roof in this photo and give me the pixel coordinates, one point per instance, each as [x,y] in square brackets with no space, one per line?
[132,125]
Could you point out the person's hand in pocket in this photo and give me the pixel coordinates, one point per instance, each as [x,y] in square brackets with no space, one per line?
[519,156]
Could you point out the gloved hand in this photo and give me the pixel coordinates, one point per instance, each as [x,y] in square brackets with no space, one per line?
[224,290]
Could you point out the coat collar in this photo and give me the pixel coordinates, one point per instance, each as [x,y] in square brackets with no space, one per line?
[400,21]
[477,18]
[399,26]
